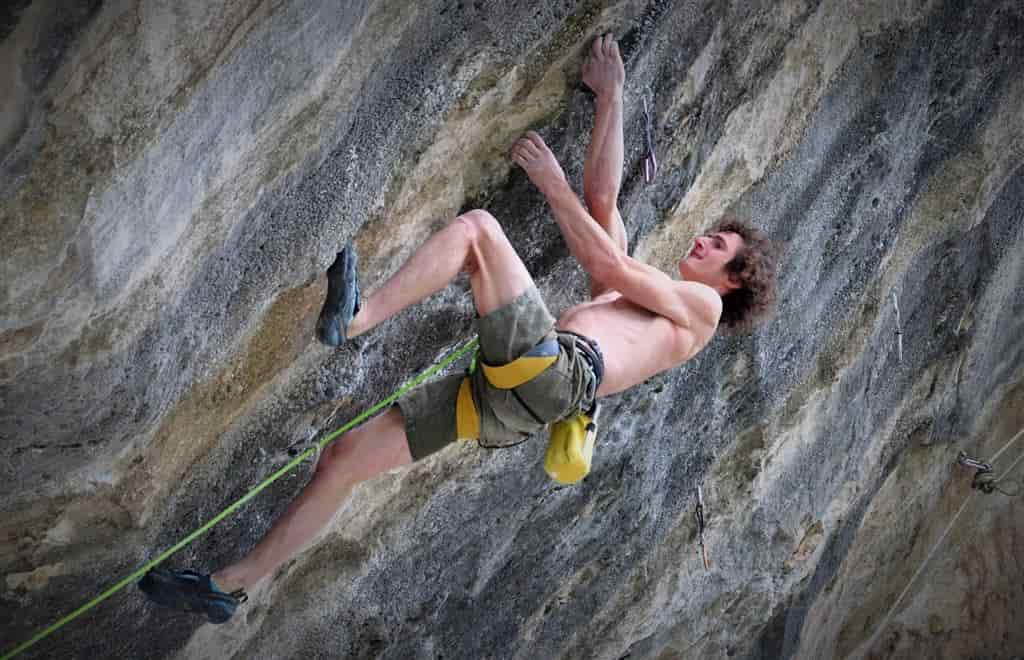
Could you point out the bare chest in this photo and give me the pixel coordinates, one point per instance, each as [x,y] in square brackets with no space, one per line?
[636,343]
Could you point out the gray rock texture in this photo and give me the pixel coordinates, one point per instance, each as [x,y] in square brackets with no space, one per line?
[175,177]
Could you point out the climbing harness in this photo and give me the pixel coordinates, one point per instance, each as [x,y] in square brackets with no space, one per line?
[504,377]
[650,160]
[318,446]
[570,441]
[699,515]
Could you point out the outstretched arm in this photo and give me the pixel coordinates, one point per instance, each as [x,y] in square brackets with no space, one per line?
[604,74]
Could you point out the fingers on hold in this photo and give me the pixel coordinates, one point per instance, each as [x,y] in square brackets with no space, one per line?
[598,46]
[615,49]
[525,148]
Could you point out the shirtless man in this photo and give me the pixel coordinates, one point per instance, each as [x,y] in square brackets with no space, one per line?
[643,322]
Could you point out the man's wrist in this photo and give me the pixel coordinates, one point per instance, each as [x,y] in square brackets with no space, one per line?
[556,188]
[610,96]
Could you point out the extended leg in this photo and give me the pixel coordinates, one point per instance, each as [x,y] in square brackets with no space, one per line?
[474,242]
[364,452]
[604,73]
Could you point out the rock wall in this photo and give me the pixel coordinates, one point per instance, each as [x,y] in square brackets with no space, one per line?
[176,176]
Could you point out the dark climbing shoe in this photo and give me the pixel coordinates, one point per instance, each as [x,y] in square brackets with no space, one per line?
[189,591]
[342,302]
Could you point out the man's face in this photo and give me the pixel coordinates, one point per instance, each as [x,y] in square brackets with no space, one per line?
[706,261]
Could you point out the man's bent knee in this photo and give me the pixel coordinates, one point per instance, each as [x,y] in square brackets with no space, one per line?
[482,226]
[483,232]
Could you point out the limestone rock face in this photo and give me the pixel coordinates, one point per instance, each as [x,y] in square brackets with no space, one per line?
[175,177]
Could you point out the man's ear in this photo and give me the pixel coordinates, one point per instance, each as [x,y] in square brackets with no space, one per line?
[733,281]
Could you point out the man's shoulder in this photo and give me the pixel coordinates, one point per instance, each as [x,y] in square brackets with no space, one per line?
[702,301]
[703,309]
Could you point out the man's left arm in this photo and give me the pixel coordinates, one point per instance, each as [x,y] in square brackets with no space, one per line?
[587,240]
[689,305]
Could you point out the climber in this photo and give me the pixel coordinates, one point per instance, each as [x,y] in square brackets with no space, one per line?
[638,323]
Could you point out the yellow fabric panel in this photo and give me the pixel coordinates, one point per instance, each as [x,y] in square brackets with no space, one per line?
[517,372]
[467,419]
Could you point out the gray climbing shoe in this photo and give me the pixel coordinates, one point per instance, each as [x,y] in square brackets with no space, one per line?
[190,591]
[342,302]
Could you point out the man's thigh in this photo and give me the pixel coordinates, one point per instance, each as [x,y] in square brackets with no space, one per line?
[374,447]
[496,273]
[428,413]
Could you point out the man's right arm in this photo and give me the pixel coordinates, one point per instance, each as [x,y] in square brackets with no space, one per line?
[694,307]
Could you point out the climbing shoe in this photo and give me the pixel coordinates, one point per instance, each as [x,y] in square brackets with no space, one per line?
[342,302]
[190,592]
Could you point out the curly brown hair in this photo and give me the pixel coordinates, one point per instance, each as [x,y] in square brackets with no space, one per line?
[753,268]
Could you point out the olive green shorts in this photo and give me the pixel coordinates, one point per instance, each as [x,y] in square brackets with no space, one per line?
[561,390]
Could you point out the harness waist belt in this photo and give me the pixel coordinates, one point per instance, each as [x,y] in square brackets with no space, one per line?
[504,377]
[592,352]
[524,368]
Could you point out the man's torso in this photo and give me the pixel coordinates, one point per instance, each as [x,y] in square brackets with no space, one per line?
[636,342]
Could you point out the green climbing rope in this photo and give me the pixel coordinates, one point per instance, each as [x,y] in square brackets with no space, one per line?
[320,444]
